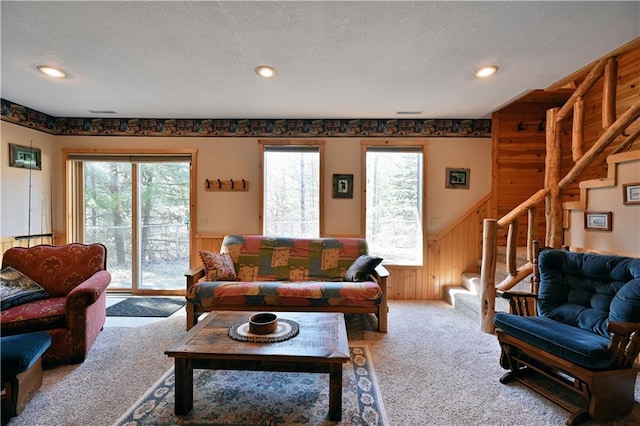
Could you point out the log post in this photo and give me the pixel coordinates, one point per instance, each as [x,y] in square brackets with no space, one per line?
[488,275]
[601,144]
[553,205]
[591,79]
[626,144]
[609,93]
[577,135]
[535,280]
[520,209]
[532,230]
[512,245]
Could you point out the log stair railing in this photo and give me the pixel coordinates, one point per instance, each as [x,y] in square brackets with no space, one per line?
[555,184]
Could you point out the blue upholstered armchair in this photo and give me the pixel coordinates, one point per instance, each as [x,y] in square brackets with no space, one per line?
[586,334]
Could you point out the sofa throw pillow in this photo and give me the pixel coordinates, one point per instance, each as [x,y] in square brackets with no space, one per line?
[17,289]
[218,266]
[362,268]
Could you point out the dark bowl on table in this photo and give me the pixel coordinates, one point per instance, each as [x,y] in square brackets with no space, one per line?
[263,323]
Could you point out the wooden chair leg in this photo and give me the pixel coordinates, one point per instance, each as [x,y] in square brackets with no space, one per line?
[612,394]
[192,319]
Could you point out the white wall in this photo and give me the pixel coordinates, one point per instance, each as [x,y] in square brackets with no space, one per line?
[238,158]
[22,188]
[444,205]
[625,235]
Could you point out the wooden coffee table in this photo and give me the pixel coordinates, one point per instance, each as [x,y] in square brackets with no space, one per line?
[321,346]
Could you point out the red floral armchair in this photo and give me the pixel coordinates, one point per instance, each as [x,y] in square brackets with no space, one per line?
[75,278]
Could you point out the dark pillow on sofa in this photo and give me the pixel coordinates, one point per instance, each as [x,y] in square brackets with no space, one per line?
[17,289]
[362,268]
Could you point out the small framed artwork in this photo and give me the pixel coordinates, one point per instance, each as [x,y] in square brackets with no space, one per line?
[24,157]
[631,193]
[457,178]
[598,221]
[342,186]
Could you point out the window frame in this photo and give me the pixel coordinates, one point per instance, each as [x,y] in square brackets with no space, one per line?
[73,182]
[293,143]
[397,144]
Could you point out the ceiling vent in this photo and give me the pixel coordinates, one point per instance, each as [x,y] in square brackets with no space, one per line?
[99,111]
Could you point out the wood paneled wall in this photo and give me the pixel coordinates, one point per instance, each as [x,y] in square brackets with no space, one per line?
[456,249]
[627,93]
[519,138]
[519,145]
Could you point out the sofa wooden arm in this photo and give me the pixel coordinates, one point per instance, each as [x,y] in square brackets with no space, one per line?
[520,302]
[193,276]
[625,342]
[380,275]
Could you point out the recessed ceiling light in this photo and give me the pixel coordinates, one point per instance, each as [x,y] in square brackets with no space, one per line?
[265,71]
[52,72]
[486,71]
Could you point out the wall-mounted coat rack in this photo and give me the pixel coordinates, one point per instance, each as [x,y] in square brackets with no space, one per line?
[226,185]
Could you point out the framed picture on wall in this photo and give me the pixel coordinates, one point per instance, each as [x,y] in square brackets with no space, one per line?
[598,221]
[342,186]
[24,157]
[631,193]
[457,178]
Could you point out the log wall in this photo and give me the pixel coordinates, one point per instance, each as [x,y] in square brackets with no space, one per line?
[519,137]
[627,92]
[519,154]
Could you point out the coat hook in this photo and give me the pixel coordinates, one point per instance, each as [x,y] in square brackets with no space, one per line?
[244,184]
[219,184]
[541,125]
[520,126]
[231,180]
[206,181]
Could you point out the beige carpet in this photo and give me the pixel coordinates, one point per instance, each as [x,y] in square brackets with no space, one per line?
[434,367]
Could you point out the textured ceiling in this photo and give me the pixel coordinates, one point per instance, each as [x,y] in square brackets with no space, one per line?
[334,59]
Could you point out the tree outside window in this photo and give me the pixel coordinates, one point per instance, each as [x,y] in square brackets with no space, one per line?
[394,204]
[292,192]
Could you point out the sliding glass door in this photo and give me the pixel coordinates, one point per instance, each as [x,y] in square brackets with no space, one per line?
[108,216]
[140,210]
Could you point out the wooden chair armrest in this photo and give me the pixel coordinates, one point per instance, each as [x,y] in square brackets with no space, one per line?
[520,302]
[194,275]
[508,294]
[381,271]
[625,342]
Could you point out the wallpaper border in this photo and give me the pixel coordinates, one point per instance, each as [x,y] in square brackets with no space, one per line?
[27,117]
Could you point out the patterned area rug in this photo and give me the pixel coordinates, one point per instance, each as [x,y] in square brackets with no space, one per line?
[145,307]
[265,398]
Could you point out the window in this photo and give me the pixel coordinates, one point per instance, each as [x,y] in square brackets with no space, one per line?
[139,207]
[394,203]
[292,190]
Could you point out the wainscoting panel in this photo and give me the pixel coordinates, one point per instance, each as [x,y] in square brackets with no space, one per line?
[9,242]
[457,249]
[404,282]
[205,242]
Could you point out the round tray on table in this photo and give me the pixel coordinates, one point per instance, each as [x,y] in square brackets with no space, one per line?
[286,330]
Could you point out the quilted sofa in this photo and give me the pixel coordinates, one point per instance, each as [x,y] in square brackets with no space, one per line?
[586,334]
[291,274]
[74,309]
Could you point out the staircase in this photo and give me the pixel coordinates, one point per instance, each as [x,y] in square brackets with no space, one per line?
[465,298]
